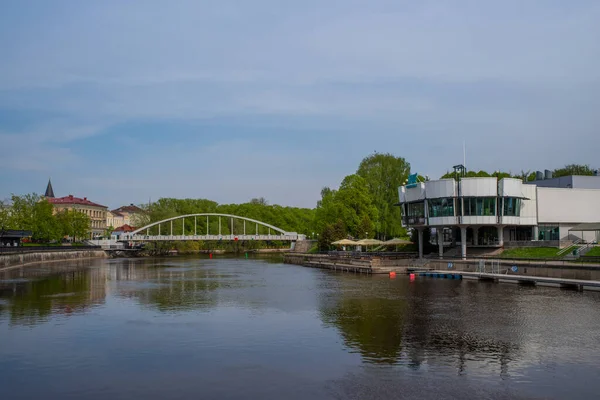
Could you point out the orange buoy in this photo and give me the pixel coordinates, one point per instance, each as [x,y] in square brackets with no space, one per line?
[392,274]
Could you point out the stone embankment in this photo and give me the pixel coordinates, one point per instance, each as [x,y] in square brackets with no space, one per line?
[358,264]
[405,264]
[15,260]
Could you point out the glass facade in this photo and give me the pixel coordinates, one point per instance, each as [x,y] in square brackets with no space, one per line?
[415,209]
[479,206]
[512,207]
[548,232]
[441,207]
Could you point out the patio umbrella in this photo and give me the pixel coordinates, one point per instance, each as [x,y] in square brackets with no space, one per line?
[397,242]
[369,242]
[345,242]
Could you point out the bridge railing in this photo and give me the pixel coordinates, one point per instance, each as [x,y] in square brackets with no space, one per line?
[208,237]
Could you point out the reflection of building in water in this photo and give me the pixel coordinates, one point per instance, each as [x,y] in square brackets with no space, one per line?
[412,325]
[42,292]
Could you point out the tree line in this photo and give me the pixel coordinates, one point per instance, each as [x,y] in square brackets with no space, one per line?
[527,176]
[34,213]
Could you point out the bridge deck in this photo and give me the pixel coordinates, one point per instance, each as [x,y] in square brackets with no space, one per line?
[147,238]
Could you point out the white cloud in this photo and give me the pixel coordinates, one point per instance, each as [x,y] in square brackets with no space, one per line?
[414,77]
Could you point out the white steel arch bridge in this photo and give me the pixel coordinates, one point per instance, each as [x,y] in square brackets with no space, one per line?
[235,228]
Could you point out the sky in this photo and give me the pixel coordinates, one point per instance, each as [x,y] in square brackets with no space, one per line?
[129,101]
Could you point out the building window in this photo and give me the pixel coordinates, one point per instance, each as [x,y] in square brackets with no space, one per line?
[548,232]
[479,206]
[441,207]
[512,207]
[415,209]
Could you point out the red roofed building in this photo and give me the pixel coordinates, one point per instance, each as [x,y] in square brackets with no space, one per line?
[96,212]
[128,213]
[125,228]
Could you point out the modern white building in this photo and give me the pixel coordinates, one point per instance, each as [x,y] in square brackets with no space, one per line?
[489,212]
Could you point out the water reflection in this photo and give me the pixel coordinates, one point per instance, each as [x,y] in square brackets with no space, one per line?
[237,328]
[410,323]
[32,295]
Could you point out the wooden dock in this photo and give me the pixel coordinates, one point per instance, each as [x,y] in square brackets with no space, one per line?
[576,284]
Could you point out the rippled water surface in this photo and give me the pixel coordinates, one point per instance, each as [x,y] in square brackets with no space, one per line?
[183,328]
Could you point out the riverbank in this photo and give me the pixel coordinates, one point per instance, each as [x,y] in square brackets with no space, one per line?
[17,260]
[402,265]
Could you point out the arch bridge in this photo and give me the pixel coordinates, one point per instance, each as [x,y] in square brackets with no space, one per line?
[207,227]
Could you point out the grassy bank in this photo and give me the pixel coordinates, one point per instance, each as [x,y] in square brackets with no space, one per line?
[530,252]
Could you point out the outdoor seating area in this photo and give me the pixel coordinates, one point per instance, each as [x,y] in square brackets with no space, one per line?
[370,244]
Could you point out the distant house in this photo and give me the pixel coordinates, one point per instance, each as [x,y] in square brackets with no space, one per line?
[128,213]
[122,229]
[114,219]
[95,211]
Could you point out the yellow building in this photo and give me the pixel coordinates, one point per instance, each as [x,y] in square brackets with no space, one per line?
[114,219]
[128,213]
[96,212]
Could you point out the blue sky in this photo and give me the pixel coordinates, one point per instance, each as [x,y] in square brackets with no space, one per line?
[228,100]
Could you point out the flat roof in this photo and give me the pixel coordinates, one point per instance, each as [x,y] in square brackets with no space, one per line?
[589,226]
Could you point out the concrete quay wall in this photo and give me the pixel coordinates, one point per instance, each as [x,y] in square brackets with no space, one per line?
[385,265]
[18,260]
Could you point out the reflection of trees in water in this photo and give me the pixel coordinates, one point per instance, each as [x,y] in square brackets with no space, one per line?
[373,326]
[180,291]
[170,288]
[32,302]
[418,322]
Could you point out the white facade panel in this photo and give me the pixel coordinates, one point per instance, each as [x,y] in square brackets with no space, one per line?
[510,187]
[443,221]
[511,220]
[479,220]
[479,187]
[441,188]
[414,193]
[556,205]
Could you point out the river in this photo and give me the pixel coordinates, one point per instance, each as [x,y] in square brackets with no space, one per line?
[235,328]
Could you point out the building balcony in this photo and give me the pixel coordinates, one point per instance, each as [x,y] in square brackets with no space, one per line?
[415,221]
[479,220]
[443,221]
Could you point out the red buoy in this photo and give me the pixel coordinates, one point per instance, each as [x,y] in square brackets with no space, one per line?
[392,274]
[412,277]
[210,255]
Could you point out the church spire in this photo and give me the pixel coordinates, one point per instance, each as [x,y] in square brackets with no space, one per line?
[49,190]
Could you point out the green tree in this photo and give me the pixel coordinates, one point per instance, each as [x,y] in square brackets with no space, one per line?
[44,224]
[331,233]
[4,215]
[74,224]
[354,202]
[383,174]
[21,211]
[573,169]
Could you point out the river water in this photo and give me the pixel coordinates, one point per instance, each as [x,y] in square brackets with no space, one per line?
[227,328]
